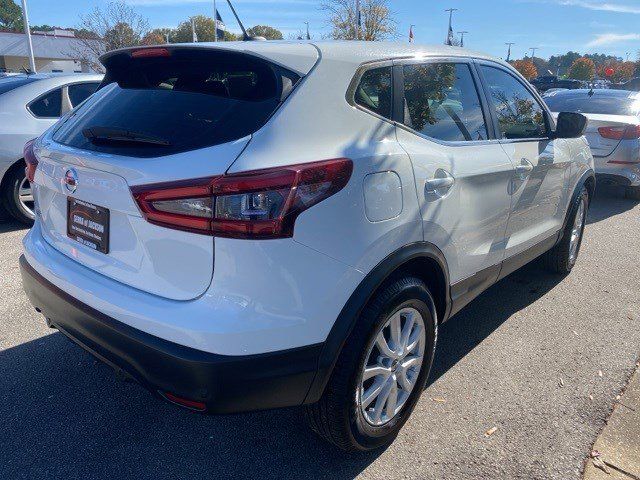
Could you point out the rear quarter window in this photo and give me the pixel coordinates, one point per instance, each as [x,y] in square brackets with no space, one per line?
[189,100]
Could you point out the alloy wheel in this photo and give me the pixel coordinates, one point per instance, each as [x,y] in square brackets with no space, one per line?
[576,231]
[392,366]
[25,197]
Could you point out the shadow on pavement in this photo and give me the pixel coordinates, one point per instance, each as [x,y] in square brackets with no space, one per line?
[608,202]
[11,226]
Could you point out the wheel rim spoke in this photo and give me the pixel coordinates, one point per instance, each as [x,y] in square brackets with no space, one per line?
[392,366]
[25,196]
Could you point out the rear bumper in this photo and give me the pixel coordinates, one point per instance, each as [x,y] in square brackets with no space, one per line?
[226,384]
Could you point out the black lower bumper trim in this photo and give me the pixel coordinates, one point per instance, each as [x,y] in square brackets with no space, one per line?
[612,179]
[226,384]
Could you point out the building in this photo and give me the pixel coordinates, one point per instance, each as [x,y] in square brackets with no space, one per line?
[53,51]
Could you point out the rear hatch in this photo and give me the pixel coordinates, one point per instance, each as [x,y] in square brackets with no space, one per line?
[162,115]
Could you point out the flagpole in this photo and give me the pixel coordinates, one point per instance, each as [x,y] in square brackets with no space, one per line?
[215,22]
[27,31]
[357,19]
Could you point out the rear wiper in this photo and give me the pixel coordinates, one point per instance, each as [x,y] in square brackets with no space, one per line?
[119,135]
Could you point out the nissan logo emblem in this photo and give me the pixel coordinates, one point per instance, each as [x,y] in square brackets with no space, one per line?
[71,180]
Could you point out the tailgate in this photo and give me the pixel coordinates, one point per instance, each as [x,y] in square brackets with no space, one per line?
[170,263]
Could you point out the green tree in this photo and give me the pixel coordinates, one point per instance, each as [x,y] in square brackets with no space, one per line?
[157,36]
[10,16]
[204,31]
[582,69]
[121,35]
[562,63]
[265,31]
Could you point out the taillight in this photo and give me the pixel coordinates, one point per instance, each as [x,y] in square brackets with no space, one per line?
[255,204]
[30,159]
[623,132]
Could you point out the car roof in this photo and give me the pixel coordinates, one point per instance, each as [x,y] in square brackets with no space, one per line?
[301,56]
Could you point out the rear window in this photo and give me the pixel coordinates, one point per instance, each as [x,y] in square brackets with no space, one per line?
[163,105]
[596,104]
[9,83]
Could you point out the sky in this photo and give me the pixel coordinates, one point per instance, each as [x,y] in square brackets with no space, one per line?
[553,26]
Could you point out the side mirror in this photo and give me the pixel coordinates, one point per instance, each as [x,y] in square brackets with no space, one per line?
[570,125]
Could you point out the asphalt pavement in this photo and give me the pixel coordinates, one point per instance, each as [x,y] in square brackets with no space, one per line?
[523,382]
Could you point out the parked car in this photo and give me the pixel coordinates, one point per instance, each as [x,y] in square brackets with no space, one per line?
[29,104]
[243,226]
[546,82]
[633,84]
[613,132]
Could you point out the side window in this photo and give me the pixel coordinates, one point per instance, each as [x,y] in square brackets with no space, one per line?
[47,106]
[441,101]
[519,113]
[79,92]
[374,92]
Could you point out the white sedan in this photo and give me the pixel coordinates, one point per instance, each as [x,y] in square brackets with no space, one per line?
[30,104]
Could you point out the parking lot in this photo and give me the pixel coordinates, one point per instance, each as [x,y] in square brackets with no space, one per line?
[539,357]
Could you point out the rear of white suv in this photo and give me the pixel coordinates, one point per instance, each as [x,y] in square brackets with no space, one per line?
[238,227]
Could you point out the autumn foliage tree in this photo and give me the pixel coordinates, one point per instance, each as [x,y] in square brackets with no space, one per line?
[526,68]
[582,69]
[622,71]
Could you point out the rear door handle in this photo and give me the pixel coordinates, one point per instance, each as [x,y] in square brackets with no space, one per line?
[440,184]
[524,169]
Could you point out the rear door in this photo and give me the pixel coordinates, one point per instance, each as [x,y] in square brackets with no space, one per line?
[181,114]
[462,174]
[524,129]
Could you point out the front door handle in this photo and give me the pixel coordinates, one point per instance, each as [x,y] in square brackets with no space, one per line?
[440,184]
[524,169]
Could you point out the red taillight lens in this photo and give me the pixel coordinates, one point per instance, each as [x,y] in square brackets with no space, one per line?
[30,159]
[150,52]
[256,204]
[623,132]
[185,402]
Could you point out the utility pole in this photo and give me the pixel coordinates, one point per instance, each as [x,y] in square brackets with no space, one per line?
[450,30]
[215,22]
[462,37]
[27,32]
[509,44]
[533,52]
[357,19]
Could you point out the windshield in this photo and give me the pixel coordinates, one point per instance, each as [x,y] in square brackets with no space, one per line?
[596,104]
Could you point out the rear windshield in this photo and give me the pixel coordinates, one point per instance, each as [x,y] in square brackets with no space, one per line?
[188,100]
[596,104]
[9,83]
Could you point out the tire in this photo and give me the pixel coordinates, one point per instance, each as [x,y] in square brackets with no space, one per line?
[11,196]
[632,193]
[338,416]
[563,257]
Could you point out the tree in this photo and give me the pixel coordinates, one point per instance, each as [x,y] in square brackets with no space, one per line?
[265,31]
[10,16]
[622,71]
[117,25]
[526,68]
[157,36]
[377,22]
[582,69]
[560,64]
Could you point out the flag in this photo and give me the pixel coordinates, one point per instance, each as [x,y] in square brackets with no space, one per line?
[411,34]
[219,23]
[194,35]
[449,36]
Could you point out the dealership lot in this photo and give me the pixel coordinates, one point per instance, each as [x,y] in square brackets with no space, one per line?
[539,357]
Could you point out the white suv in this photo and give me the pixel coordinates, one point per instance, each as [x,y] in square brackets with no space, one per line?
[243,226]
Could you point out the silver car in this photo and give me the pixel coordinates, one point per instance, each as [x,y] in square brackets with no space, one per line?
[613,132]
[30,104]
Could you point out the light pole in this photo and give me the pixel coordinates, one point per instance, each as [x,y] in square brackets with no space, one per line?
[450,30]
[27,32]
[627,56]
[462,37]
[533,52]
[308,36]
[357,19]
[509,44]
